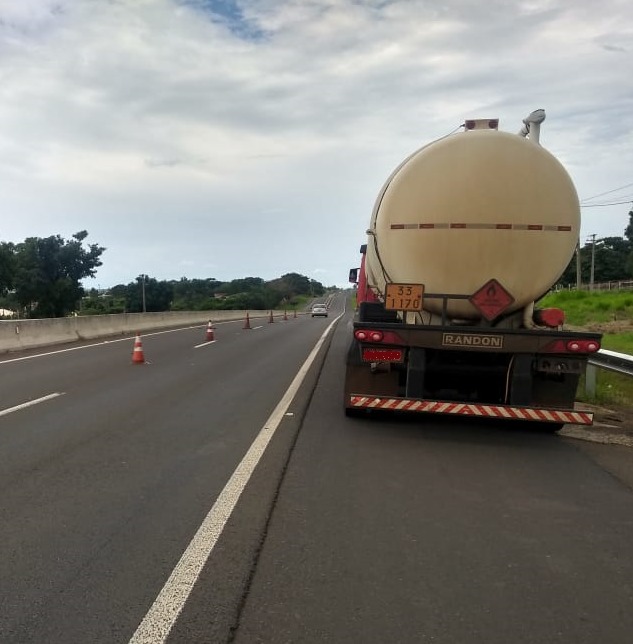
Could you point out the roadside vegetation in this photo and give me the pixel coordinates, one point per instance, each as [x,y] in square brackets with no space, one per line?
[41,278]
[609,313]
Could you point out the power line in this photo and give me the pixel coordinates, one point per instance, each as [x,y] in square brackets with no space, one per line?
[628,185]
[601,205]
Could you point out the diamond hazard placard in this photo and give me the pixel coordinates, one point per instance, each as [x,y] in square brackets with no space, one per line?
[491,299]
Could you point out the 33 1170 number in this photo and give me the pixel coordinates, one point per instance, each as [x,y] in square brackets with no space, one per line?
[404,297]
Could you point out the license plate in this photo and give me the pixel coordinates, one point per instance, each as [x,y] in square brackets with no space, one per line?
[404,297]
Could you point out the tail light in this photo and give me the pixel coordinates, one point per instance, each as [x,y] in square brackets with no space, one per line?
[583,346]
[552,318]
[363,335]
[481,124]
[579,345]
[383,355]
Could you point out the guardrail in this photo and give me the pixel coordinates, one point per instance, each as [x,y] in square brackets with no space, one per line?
[610,360]
[618,285]
[33,333]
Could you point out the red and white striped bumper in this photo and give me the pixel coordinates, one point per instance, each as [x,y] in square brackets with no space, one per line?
[466,409]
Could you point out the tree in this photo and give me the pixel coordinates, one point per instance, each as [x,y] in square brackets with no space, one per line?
[194,294]
[242,285]
[292,284]
[7,267]
[611,255]
[628,233]
[48,273]
[158,295]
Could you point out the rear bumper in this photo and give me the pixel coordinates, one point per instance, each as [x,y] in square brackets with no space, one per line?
[503,412]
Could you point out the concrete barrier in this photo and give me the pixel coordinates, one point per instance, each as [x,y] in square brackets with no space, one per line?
[30,334]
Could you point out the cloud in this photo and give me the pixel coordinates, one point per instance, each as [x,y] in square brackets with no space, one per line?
[254,134]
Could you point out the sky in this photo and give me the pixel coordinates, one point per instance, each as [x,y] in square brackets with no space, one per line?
[250,138]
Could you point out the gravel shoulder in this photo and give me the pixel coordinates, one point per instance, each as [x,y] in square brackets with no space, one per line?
[611,426]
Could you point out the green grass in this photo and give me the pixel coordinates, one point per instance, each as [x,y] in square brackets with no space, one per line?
[622,342]
[297,303]
[611,389]
[583,307]
[606,309]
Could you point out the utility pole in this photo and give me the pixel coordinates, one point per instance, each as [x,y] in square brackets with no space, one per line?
[143,287]
[593,260]
[578,267]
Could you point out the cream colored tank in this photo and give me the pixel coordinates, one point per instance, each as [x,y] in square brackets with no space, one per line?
[469,208]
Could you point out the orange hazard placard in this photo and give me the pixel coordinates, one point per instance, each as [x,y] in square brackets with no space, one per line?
[491,299]
[404,297]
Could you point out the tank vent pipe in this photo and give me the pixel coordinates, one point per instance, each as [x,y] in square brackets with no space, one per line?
[532,125]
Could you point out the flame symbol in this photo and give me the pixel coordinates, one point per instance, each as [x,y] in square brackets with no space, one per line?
[492,291]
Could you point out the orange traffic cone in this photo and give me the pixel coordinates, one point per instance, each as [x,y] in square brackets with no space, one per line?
[137,355]
[270,319]
[285,316]
[247,322]
[210,333]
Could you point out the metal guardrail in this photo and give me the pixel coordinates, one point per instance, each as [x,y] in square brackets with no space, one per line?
[610,360]
[619,285]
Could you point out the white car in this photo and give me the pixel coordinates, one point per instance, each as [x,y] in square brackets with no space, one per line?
[319,309]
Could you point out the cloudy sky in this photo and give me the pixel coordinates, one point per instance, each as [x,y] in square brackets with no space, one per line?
[234,138]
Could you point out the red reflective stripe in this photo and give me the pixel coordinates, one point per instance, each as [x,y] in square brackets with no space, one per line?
[465,409]
[480,226]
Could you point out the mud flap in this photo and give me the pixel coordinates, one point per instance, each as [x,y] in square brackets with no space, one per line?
[415,373]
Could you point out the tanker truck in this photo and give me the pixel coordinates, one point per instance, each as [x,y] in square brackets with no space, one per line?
[466,236]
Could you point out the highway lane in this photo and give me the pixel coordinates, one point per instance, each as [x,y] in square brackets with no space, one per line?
[429,531]
[102,487]
[350,530]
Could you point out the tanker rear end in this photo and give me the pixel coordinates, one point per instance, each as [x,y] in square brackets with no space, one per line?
[466,235]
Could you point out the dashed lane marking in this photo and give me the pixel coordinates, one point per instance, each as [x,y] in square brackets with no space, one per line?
[30,403]
[162,615]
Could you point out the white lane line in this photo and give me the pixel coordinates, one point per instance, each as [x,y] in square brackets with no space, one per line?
[261,326]
[204,344]
[52,353]
[162,615]
[98,344]
[126,339]
[30,403]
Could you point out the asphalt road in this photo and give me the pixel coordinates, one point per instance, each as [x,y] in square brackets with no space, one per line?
[349,530]
[103,486]
[421,531]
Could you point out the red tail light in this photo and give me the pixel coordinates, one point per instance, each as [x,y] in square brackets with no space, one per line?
[552,318]
[363,335]
[579,345]
[481,124]
[583,346]
[383,355]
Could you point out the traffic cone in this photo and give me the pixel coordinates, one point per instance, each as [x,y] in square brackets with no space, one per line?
[247,322]
[210,333]
[295,315]
[285,316]
[137,355]
[270,319]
